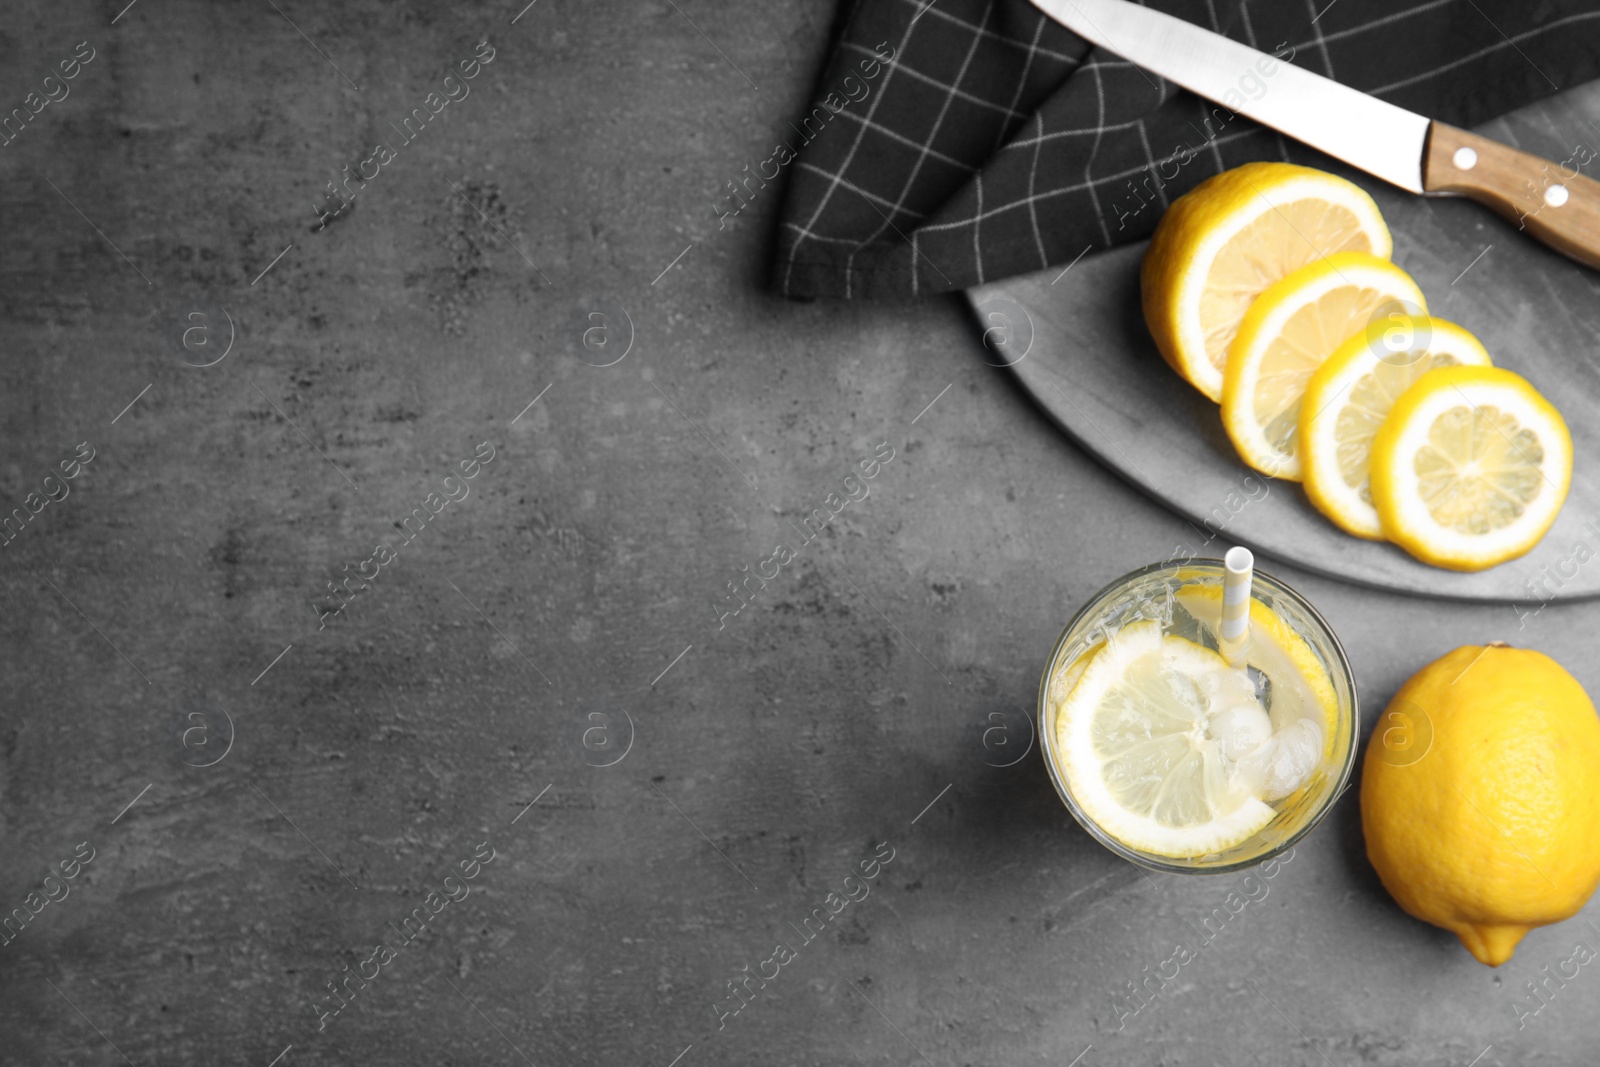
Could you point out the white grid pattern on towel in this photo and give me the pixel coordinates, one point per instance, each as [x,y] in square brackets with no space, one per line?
[974,180]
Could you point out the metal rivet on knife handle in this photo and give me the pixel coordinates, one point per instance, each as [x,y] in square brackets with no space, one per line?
[1551,201]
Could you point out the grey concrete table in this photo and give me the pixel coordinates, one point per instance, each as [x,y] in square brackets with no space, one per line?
[539,681]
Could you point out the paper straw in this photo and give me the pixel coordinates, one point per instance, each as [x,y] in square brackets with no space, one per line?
[1233,635]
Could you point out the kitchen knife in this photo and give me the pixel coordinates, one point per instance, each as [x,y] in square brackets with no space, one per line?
[1419,155]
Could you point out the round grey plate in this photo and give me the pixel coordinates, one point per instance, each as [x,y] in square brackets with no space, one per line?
[1080,347]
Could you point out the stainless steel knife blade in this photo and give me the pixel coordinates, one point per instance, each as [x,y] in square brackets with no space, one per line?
[1384,140]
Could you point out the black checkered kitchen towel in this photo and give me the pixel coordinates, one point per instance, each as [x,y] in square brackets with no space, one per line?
[961,141]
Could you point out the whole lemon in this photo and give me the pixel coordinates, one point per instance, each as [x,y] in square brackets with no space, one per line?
[1480,796]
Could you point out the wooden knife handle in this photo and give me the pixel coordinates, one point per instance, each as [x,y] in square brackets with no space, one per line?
[1551,201]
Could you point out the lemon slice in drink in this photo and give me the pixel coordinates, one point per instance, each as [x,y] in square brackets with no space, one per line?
[1470,468]
[1289,332]
[1230,237]
[1351,394]
[1145,738]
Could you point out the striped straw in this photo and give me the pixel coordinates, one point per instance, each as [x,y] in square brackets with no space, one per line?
[1233,636]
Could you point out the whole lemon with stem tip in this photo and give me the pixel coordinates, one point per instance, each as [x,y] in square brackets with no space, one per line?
[1480,796]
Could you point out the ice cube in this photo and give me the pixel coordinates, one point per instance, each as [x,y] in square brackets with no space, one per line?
[1240,729]
[1284,762]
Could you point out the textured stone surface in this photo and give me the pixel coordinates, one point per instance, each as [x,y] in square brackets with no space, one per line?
[842,709]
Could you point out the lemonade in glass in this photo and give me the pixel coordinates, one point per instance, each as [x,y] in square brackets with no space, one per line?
[1177,757]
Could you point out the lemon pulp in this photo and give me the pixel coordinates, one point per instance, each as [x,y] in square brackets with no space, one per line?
[1277,243]
[1479,470]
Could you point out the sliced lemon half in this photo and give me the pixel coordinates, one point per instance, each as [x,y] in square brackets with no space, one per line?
[1230,237]
[1289,332]
[1470,468]
[1351,394]
[1143,739]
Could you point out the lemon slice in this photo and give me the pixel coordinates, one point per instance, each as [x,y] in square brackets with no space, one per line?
[1350,395]
[1290,330]
[1146,738]
[1470,468]
[1230,237]
[1301,687]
